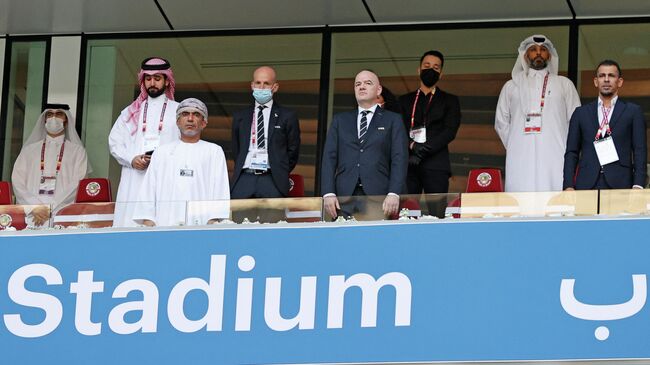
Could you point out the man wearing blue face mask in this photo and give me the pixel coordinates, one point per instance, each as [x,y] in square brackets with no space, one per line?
[265,145]
[432,118]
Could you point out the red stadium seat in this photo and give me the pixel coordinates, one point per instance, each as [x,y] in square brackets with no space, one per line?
[94,190]
[6,196]
[296,186]
[12,216]
[484,180]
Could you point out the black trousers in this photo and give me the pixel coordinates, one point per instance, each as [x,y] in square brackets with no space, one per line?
[419,179]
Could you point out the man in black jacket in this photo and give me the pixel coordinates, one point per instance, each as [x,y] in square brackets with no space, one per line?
[432,118]
[265,144]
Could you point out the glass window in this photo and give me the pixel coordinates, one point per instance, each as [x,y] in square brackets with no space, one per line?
[218,70]
[24,99]
[478,62]
[629,45]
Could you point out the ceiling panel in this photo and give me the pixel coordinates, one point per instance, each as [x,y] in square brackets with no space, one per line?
[387,11]
[76,16]
[608,8]
[19,17]
[209,14]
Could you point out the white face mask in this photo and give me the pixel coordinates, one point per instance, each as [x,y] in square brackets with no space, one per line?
[54,125]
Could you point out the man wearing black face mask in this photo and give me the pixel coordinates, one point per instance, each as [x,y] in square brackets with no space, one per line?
[432,118]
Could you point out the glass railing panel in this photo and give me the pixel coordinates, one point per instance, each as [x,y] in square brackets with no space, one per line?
[538,204]
[625,202]
[291,210]
[20,217]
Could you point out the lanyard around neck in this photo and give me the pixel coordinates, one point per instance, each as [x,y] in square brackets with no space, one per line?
[162,116]
[58,162]
[415,103]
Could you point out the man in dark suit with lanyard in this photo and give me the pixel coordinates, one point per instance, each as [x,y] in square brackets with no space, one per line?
[265,146]
[365,154]
[606,146]
[432,118]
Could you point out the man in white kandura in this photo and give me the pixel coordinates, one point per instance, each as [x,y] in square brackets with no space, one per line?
[532,118]
[141,127]
[50,164]
[188,172]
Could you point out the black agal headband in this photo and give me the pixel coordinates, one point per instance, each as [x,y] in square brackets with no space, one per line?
[159,67]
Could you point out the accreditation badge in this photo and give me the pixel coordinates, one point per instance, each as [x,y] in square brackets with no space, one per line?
[47,185]
[533,123]
[605,150]
[418,135]
[186,173]
[260,160]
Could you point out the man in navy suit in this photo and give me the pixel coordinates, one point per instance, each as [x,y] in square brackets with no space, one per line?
[265,145]
[365,153]
[606,146]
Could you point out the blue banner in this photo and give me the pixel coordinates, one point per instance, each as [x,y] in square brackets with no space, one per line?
[326,293]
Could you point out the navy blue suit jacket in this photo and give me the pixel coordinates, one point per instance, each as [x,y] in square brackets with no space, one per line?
[379,163]
[629,134]
[283,143]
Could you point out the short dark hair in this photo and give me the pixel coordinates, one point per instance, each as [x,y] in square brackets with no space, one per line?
[436,54]
[610,63]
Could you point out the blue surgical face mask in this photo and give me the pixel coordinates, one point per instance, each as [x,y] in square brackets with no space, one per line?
[262,96]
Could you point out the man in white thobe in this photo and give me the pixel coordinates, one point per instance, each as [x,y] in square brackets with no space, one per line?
[50,165]
[141,127]
[532,118]
[187,180]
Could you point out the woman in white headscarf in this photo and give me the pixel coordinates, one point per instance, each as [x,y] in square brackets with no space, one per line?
[50,164]
[532,118]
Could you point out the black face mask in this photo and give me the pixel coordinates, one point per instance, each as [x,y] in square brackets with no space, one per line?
[429,76]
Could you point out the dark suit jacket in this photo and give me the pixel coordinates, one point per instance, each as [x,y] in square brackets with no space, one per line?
[379,163]
[629,135]
[442,119]
[283,143]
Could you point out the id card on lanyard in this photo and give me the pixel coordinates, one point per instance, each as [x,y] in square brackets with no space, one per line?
[152,141]
[418,135]
[47,184]
[533,121]
[604,143]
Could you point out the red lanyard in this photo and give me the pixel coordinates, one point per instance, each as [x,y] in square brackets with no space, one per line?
[162,116]
[541,104]
[415,103]
[58,162]
[605,122]
[253,129]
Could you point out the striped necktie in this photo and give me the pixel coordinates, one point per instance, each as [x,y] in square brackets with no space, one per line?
[261,143]
[363,126]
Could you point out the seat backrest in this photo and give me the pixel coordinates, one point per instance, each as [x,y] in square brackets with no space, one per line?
[296,186]
[94,190]
[6,196]
[484,180]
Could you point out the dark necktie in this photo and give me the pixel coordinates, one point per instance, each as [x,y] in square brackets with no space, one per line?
[363,126]
[261,144]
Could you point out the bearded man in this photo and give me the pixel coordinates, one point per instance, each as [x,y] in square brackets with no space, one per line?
[532,118]
[148,122]
[187,182]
